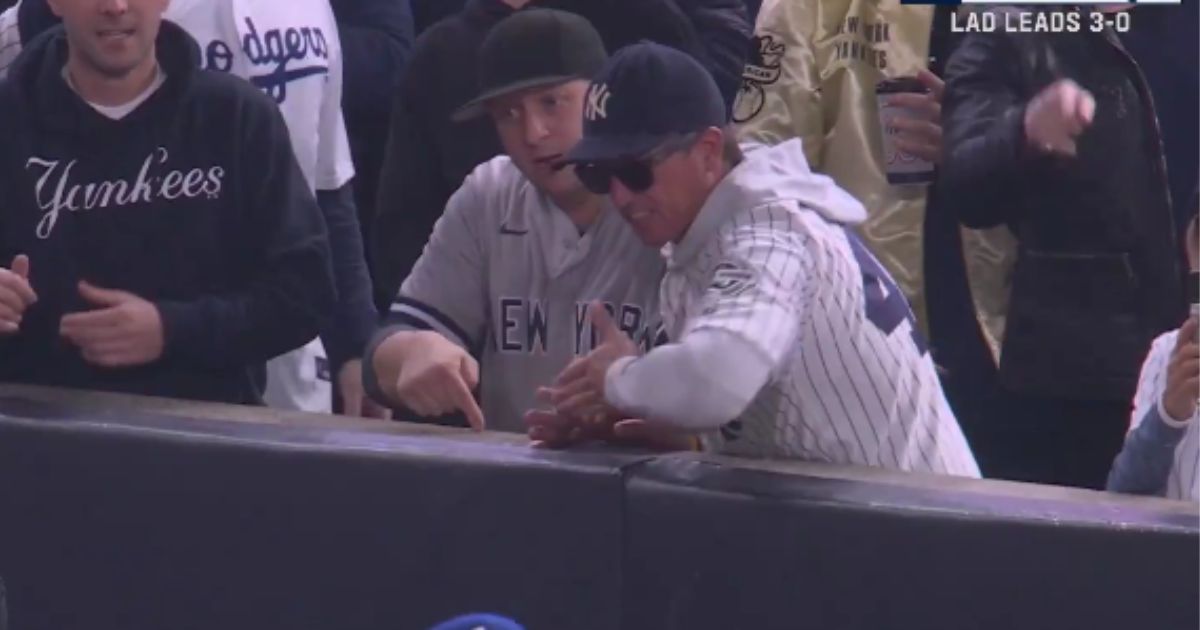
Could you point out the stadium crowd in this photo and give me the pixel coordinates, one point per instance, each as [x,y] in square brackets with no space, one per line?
[817,229]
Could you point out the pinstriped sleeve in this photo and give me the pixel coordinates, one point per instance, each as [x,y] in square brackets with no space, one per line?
[758,287]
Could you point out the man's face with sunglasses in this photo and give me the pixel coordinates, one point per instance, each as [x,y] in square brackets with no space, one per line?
[660,193]
[537,126]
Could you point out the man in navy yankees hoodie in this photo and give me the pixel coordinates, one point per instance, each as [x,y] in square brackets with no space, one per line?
[161,243]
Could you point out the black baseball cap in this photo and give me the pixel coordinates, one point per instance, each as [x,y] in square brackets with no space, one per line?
[643,96]
[534,48]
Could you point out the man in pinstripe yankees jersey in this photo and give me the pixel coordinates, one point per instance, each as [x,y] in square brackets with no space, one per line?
[787,337]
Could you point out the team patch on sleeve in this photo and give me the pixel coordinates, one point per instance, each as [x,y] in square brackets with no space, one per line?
[731,280]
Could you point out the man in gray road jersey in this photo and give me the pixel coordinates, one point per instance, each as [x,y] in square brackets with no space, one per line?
[522,249]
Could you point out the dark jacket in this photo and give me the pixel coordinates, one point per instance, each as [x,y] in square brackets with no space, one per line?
[345,336]
[1163,40]
[956,337]
[426,13]
[428,156]
[1097,276]
[193,201]
[377,40]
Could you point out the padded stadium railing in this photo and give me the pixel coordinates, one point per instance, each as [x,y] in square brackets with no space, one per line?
[127,513]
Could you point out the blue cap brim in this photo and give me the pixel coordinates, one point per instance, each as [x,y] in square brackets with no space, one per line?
[611,148]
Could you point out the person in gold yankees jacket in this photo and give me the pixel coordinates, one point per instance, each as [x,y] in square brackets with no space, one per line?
[812,73]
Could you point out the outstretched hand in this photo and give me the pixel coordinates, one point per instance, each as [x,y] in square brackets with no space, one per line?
[437,377]
[579,389]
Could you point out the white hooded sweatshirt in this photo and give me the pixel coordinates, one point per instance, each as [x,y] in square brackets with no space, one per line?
[787,334]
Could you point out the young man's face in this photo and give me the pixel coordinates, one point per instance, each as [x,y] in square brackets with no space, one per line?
[111,37]
[537,127]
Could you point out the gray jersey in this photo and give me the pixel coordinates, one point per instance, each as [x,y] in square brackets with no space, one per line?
[507,275]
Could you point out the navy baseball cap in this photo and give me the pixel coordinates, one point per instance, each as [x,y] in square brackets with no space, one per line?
[534,48]
[643,96]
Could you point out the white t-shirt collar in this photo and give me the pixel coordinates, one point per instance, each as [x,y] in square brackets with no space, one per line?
[117,112]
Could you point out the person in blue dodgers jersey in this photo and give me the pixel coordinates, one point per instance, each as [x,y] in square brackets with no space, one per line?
[159,235]
[294,56]
[787,337]
[521,249]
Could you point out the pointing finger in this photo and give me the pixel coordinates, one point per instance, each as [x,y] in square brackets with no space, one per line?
[464,401]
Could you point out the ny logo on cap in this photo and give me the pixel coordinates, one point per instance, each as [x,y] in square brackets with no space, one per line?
[597,102]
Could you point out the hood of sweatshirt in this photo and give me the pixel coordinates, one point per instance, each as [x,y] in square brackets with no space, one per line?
[768,175]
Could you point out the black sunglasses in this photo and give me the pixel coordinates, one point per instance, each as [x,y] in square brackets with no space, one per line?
[634,173]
